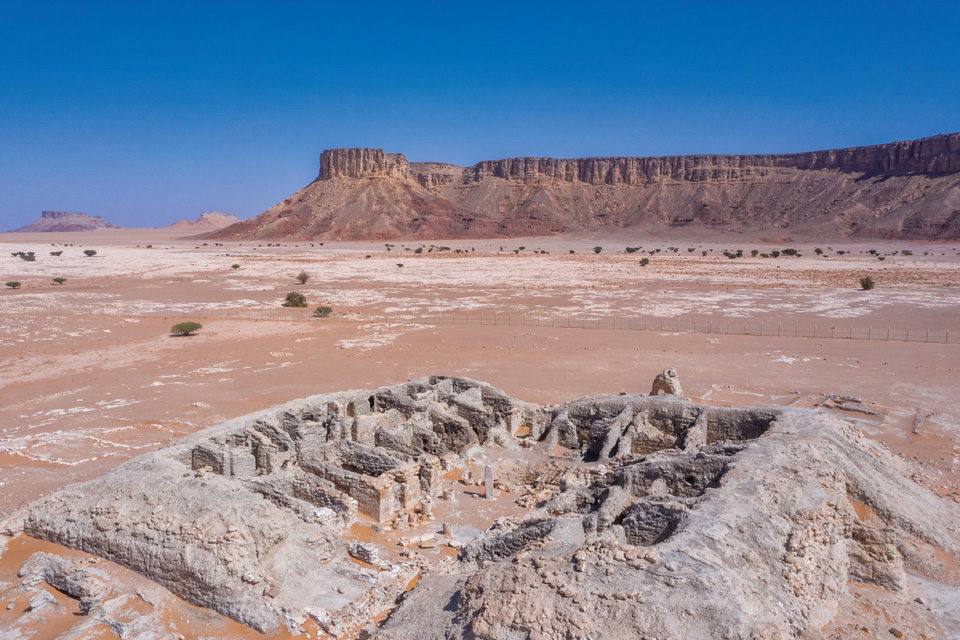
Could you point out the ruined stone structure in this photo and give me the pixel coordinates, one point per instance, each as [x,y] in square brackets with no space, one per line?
[641,509]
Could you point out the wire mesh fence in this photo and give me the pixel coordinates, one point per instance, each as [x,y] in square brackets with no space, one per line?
[716,326]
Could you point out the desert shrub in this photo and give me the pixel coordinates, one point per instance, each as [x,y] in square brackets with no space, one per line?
[29,257]
[302,277]
[872,252]
[644,262]
[13,284]
[881,258]
[818,251]
[186,328]
[597,249]
[59,280]
[400,265]
[704,253]
[790,252]
[90,253]
[691,249]
[56,253]
[841,252]
[572,251]
[867,283]
[906,252]
[367,257]
[775,253]
[754,253]
[418,250]
[295,299]
[322,312]
[631,249]
[522,248]
[234,266]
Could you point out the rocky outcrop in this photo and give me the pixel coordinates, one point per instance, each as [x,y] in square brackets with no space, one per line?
[207,221]
[362,163]
[59,221]
[664,519]
[908,190]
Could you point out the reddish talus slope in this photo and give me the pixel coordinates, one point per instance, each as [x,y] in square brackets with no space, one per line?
[906,190]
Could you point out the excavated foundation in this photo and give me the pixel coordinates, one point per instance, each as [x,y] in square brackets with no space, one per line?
[615,515]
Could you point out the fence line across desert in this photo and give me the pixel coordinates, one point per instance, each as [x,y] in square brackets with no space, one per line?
[630,323]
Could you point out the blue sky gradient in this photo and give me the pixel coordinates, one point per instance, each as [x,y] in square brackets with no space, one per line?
[150,112]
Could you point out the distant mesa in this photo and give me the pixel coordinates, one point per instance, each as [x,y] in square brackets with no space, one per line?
[902,190]
[59,221]
[206,222]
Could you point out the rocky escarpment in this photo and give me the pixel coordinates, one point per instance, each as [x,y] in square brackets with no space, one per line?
[936,155]
[207,220]
[65,221]
[908,190]
[647,517]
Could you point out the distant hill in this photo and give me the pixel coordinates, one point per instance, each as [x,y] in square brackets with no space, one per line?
[206,222]
[65,221]
[905,190]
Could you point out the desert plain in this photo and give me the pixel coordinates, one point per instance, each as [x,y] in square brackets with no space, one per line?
[91,376]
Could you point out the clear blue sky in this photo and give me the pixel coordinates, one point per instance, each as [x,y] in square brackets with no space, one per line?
[149,112]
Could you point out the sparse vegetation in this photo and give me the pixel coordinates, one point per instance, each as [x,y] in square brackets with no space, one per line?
[597,249]
[13,284]
[791,252]
[322,312]
[302,277]
[59,280]
[754,252]
[295,299]
[867,283]
[56,253]
[186,328]
[90,252]
[400,265]
[572,251]
[644,262]
[775,253]
[906,252]
[234,266]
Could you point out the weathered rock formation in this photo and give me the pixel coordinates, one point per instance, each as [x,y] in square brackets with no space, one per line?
[667,382]
[206,222]
[668,519]
[65,221]
[907,190]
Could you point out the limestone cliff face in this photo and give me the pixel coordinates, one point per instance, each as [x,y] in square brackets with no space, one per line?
[362,163]
[908,190]
[939,154]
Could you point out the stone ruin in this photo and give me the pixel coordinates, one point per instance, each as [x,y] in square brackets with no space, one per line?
[645,508]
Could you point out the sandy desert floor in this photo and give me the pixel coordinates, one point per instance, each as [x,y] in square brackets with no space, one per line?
[90,375]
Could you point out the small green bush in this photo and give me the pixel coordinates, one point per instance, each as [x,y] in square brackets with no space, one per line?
[867,283]
[597,249]
[906,252]
[90,253]
[322,312]
[775,253]
[234,266]
[186,328]
[302,277]
[13,284]
[59,280]
[295,299]
[644,262]
[56,253]
[754,252]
